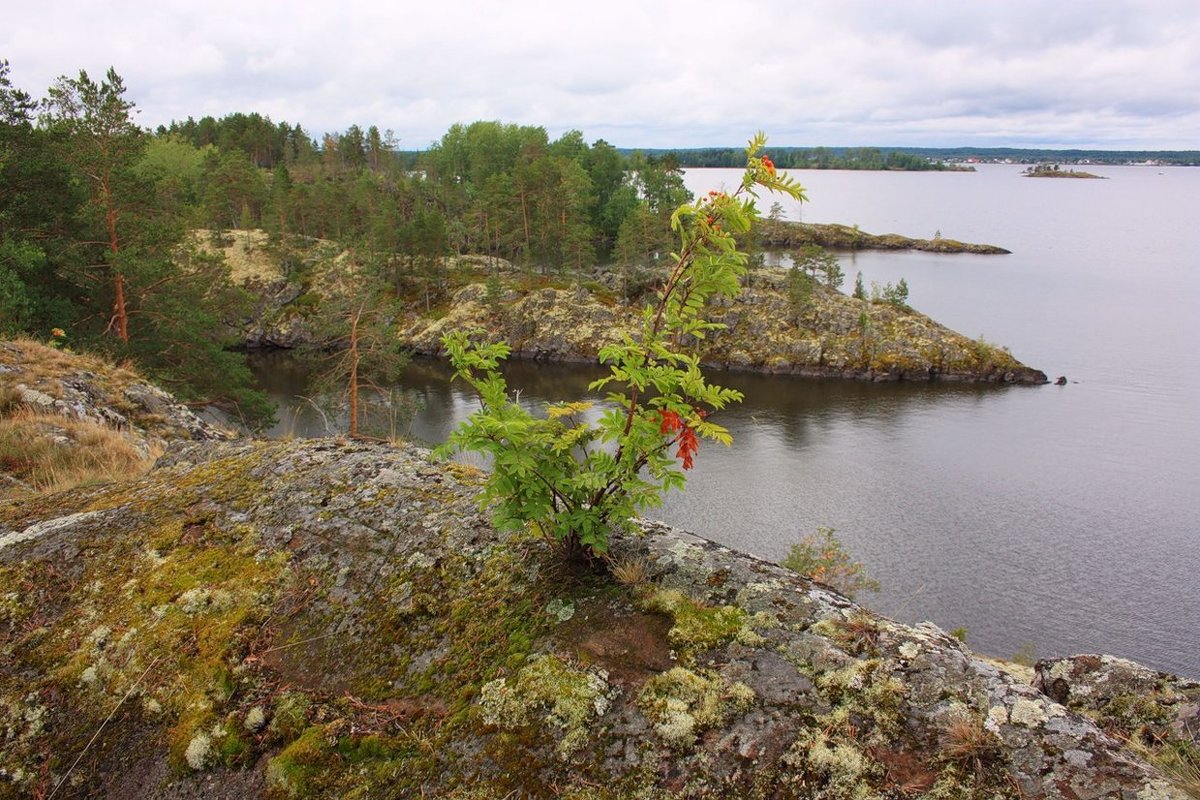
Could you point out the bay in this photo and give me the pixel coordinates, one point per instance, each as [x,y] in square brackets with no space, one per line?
[1048,519]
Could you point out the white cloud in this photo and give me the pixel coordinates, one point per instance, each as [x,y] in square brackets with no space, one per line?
[991,72]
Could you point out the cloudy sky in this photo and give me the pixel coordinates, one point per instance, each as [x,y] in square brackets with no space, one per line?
[642,73]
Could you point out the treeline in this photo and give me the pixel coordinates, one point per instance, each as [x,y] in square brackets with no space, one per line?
[922,158]
[97,218]
[866,158]
[1182,158]
[484,188]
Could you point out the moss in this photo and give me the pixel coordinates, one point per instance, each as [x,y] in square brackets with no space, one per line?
[857,634]
[167,610]
[290,717]
[547,691]
[682,703]
[1141,717]
[834,768]
[699,627]
[294,771]
[326,761]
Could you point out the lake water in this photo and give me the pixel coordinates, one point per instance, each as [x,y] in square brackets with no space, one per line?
[1052,519]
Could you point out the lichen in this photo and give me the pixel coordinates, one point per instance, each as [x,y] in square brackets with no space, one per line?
[256,718]
[835,769]
[549,691]
[682,703]
[199,753]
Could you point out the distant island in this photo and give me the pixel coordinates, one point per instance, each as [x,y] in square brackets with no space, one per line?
[949,159]
[1054,171]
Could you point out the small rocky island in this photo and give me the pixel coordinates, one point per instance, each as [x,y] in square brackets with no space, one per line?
[790,235]
[331,618]
[1054,171]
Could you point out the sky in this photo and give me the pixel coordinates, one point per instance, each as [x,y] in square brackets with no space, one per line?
[1108,74]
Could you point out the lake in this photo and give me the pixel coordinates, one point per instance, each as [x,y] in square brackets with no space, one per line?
[1052,520]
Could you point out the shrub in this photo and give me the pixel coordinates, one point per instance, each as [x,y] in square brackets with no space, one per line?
[821,557]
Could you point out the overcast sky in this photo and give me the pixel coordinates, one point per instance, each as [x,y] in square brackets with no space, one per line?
[640,73]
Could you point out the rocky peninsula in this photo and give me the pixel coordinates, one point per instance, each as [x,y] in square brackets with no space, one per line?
[570,317]
[330,618]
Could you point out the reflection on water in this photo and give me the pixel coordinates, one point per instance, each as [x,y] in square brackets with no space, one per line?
[793,409]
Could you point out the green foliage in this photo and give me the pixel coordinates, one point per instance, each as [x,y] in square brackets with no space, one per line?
[819,264]
[821,557]
[799,291]
[92,238]
[577,479]
[896,295]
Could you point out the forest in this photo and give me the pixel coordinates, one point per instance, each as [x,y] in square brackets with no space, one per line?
[869,158]
[100,219]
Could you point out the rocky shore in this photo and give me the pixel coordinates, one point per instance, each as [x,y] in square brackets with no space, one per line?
[832,336]
[328,618]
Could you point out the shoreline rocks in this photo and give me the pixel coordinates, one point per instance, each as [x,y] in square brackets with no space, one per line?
[310,607]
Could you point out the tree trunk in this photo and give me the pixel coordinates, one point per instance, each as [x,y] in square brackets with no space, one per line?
[353,387]
[120,316]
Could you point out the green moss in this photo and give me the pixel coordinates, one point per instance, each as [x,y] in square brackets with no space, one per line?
[290,716]
[1133,714]
[170,608]
[699,627]
[295,771]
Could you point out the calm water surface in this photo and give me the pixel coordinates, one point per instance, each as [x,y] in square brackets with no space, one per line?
[1059,518]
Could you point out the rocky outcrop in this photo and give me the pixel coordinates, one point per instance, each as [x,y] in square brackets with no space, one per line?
[334,619]
[76,387]
[1126,698]
[832,335]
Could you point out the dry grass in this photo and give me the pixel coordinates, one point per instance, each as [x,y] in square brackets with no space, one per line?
[859,634]
[966,742]
[40,366]
[1178,762]
[633,572]
[246,254]
[1182,769]
[51,453]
